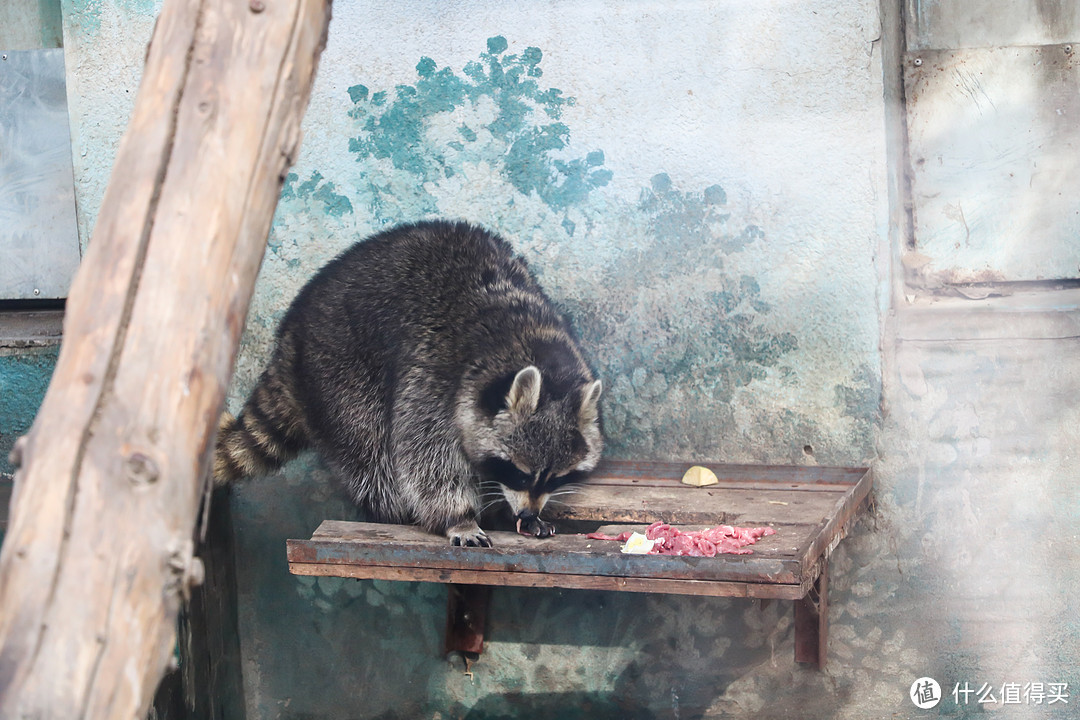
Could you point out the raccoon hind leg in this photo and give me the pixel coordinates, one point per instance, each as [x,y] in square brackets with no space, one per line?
[269,431]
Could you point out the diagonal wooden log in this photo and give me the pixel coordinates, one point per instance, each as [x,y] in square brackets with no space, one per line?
[98,552]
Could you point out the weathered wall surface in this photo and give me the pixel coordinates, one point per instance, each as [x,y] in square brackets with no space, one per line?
[702,185]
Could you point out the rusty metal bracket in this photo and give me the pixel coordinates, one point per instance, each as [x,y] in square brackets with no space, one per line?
[466,617]
[812,622]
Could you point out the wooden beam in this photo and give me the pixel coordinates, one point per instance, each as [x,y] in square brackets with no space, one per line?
[812,622]
[707,588]
[98,553]
[466,618]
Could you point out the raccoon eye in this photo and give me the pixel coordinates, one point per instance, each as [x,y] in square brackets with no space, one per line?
[505,473]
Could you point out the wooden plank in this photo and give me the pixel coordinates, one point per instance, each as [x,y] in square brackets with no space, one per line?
[788,542]
[725,484]
[784,566]
[820,544]
[812,622]
[339,543]
[98,553]
[466,617]
[633,470]
[684,505]
[709,588]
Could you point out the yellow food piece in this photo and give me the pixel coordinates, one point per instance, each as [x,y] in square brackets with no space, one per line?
[699,476]
[638,544]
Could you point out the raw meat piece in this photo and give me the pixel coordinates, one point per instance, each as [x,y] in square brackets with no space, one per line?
[699,543]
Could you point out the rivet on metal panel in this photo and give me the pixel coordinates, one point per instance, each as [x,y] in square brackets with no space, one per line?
[918,62]
[37,291]
[1068,49]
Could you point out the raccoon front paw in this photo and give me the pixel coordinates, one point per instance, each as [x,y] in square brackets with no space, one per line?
[468,534]
[528,524]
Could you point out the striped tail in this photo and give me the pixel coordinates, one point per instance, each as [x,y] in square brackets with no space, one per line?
[268,433]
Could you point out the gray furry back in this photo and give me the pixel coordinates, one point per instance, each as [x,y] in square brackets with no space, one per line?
[422,363]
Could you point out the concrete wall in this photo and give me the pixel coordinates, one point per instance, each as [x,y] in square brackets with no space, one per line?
[705,187]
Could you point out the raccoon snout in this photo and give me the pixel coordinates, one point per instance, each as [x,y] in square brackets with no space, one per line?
[529,523]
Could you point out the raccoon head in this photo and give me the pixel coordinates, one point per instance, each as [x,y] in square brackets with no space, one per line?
[536,443]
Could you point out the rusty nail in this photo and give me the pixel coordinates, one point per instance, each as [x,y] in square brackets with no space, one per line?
[918,62]
[141,470]
[257,6]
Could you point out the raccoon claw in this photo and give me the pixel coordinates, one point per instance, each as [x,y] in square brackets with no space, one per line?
[532,525]
[468,536]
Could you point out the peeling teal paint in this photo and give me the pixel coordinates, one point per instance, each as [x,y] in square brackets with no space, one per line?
[315,188]
[84,14]
[524,133]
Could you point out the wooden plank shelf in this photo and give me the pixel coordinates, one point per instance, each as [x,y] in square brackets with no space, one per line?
[811,509]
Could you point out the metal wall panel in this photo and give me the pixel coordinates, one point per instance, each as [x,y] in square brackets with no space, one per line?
[995,154]
[955,24]
[39,243]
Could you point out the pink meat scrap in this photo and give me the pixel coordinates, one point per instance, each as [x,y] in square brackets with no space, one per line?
[699,543]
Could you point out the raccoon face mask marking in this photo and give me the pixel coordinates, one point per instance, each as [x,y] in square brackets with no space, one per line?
[540,448]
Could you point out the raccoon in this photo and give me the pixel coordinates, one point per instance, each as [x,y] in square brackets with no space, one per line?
[425,363]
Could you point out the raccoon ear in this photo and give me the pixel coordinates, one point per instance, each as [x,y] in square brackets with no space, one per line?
[590,403]
[524,395]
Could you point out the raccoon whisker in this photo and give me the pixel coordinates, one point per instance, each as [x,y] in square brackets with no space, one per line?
[566,491]
[490,504]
